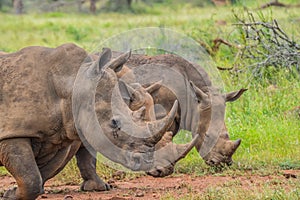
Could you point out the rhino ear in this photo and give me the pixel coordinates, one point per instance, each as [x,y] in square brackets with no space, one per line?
[100,64]
[232,96]
[200,95]
[126,92]
[104,58]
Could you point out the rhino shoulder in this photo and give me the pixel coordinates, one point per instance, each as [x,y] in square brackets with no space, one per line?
[33,82]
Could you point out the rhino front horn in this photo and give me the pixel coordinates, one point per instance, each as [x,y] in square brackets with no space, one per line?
[183,149]
[159,127]
[166,157]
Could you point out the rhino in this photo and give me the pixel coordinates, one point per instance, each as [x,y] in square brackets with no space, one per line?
[201,110]
[55,103]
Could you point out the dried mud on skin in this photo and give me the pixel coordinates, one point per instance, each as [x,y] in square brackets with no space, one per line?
[147,187]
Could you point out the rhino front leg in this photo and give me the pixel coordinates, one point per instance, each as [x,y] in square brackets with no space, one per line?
[87,166]
[17,157]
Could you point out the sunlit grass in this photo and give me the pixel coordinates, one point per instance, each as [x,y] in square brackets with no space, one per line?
[234,191]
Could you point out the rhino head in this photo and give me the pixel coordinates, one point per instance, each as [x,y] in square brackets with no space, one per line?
[215,147]
[166,154]
[139,98]
[105,122]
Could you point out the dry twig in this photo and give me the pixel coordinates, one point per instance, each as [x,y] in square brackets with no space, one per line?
[266,44]
[278,4]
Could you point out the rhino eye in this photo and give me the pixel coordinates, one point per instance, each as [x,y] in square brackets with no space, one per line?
[115,124]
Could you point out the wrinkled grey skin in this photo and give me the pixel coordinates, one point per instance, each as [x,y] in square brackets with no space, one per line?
[37,135]
[201,111]
[128,143]
[37,130]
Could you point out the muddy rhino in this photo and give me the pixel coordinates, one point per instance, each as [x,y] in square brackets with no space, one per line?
[54,100]
[201,105]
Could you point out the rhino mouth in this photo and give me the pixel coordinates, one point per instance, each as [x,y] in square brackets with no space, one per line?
[160,171]
[219,163]
[218,159]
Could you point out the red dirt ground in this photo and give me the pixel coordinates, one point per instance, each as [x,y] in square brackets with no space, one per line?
[147,187]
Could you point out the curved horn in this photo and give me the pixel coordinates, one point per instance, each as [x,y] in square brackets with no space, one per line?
[166,139]
[153,87]
[159,127]
[233,145]
[183,149]
[166,157]
[149,132]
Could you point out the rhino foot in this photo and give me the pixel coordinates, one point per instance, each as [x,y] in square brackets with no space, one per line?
[91,185]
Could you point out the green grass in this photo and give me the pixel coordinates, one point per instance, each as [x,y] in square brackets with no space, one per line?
[234,191]
[261,118]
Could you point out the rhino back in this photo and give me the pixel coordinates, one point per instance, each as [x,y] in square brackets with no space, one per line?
[191,71]
[33,83]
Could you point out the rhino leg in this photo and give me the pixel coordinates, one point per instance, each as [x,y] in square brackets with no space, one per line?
[18,158]
[59,161]
[87,166]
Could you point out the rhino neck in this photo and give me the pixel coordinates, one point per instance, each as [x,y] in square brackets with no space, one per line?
[200,125]
[213,124]
[195,120]
[201,120]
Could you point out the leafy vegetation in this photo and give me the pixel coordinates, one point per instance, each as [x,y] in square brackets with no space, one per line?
[264,117]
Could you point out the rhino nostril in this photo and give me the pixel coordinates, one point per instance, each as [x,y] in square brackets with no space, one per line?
[136,161]
[159,172]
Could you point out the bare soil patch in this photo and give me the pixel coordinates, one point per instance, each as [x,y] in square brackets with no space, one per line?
[147,187]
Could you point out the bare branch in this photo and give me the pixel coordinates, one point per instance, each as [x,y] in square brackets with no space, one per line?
[276,3]
[266,44]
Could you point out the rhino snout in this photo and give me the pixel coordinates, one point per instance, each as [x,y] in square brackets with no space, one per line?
[159,171]
[219,162]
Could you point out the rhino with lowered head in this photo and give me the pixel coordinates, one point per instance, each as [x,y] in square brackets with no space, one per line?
[202,106]
[45,93]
